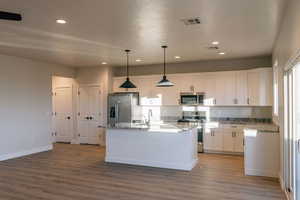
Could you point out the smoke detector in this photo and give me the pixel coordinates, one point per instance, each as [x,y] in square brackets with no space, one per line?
[191,21]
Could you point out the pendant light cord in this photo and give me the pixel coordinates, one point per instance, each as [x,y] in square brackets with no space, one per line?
[164,61]
[127,68]
[164,47]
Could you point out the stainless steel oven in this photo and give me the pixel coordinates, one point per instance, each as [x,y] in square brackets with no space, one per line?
[192,98]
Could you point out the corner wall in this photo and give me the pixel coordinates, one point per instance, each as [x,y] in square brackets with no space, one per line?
[25,105]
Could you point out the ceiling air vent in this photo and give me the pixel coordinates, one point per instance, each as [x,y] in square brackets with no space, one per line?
[212,48]
[192,21]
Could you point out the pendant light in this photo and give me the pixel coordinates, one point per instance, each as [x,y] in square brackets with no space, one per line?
[127,83]
[164,82]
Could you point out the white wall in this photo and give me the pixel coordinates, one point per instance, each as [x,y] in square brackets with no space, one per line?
[25,105]
[287,45]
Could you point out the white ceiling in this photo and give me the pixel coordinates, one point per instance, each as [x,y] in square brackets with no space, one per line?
[99,30]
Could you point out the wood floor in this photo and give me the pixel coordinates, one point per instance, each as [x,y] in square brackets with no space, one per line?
[73,172]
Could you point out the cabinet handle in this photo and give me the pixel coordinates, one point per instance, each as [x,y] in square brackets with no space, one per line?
[298,144]
[235,101]
[248,100]
[215,101]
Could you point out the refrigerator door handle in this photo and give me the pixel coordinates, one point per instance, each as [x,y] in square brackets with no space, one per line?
[117,113]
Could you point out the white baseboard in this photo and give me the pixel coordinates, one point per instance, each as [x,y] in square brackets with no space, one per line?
[256,172]
[185,167]
[26,152]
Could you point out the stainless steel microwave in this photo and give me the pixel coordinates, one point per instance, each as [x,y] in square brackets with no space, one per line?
[192,98]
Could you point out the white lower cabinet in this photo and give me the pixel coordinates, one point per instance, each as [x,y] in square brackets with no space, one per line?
[224,140]
[228,141]
[213,140]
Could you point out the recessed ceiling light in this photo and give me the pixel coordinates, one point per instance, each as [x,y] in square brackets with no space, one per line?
[104,63]
[222,53]
[177,57]
[61,21]
[138,60]
[215,43]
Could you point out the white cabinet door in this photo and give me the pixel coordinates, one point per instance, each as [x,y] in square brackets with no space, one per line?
[239,142]
[260,90]
[253,87]
[241,88]
[209,83]
[89,116]
[225,88]
[208,139]
[63,114]
[217,140]
[228,141]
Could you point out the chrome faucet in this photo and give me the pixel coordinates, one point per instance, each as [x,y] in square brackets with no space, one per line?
[148,121]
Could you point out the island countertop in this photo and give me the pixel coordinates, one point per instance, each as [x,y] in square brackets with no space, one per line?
[163,145]
[155,127]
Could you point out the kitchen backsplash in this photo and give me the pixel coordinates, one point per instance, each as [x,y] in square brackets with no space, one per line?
[172,113]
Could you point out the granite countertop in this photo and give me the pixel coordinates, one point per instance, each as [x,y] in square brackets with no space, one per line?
[155,127]
[243,125]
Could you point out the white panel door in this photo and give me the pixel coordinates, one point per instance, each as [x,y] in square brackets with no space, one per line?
[63,114]
[95,114]
[89,115]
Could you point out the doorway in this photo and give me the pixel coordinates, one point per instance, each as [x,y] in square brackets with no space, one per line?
[63,109]
[292,132]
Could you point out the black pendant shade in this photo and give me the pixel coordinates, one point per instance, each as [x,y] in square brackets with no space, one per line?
[164,82]
[127,83]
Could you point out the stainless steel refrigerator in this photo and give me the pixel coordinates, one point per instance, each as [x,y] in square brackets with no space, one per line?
[122,107]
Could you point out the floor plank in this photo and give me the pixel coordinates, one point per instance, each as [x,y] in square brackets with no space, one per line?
[77,172]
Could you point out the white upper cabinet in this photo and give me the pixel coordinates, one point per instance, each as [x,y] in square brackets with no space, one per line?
[226,88]
[260,92]
[248,87]
[209,85]
[241,88]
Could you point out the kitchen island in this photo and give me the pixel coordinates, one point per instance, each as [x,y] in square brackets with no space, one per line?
[172,146]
